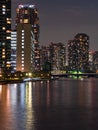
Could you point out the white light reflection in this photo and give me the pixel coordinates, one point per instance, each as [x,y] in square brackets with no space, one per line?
[0,91]
[22,93]
[29,94]
[33,84]
[89,93]
[41,82]
[15,85]
[85,93]
[29,106]
[12,93]
[48,93]
[8,96]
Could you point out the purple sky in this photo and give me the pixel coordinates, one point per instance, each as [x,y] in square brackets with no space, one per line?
[61,20]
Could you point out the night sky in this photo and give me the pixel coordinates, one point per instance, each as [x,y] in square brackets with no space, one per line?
[61,20]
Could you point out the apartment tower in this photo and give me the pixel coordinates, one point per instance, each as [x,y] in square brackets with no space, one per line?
[27,26]
[78,53]
[5,36]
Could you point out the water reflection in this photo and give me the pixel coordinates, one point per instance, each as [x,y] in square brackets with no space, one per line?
[0,91]
[48,93]
[49,105]
[29,107]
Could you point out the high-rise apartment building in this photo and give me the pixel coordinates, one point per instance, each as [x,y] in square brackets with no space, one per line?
[27,26]
[45,62]
[53,57]
[57,56]
[95,61]
[91,64]
[5,36]
[78,52]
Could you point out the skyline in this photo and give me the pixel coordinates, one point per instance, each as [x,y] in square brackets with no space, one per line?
[61,20]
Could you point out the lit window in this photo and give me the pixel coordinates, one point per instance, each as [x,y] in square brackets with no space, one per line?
[3,28]
[3,6]
[26,11]
[36,11]
[3,53]
[3,12]
[3,56]
[8,65]
[8,31]
[25,20]
[22,40]
[3,49]
[8,22]
[8,19]
[35,31]
[8,37]
[20,20]
[3,43]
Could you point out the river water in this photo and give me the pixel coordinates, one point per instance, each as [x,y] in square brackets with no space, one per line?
[64,104]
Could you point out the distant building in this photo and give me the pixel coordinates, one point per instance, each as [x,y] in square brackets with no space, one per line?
[57,56]
[5,36]
[95,61]
[43,55]
[72,55]
[27,26]
[78,53]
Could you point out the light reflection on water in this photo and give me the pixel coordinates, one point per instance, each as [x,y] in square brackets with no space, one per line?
[50,105]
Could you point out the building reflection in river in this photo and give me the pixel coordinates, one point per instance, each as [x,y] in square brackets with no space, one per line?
[49,105]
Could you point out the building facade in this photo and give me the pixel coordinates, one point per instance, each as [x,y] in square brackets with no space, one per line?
[57,56]
[78,53]
[13,49]
[27,26]
[5,36]
[95,61]
[53,57]
[45,63]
